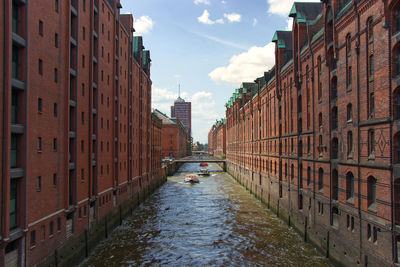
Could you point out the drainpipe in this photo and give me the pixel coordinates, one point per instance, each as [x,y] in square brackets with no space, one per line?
[358,122]
[4,169]
[387,25]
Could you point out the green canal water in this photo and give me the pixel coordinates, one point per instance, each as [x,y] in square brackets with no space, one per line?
[213,223]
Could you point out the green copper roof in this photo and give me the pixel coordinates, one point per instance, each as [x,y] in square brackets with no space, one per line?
[293,13]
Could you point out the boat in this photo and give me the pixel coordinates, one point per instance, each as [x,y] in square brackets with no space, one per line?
[204,172]
[204,164]
[191,178]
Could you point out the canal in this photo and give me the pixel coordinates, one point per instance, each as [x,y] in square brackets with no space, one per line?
[216,222]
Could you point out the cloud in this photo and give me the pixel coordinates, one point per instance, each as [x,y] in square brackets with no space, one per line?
[247,66]
[219,40]
[289,25]
[203,109]
[282,7]
[205,18]
[221,21]
[143,25]
[255,21]
[206,2]
[233,17]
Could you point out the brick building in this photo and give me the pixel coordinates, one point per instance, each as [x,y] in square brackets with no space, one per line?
[217,138]
[76,97]
[175,136]
[317,137]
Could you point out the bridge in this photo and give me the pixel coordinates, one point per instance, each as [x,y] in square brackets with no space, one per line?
[202,160]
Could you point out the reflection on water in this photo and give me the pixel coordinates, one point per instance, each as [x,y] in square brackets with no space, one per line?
[216,222]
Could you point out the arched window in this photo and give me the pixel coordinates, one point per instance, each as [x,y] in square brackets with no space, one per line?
[320,121]
[334,118]
[335,148]
[371,143]
[292,172]
[396,103]
[397,61]
[300,148]
[371,66]
[320,144]
[349,143]
[334,87]
[319,78]
[335,185]
[370,30]
[371,193]
[308,177]
[349,112]
[320,179]
[349,186]
[397,148]
[300,125]
[300,175]
[372,105]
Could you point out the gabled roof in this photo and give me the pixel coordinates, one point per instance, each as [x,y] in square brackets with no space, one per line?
[306,11]
[283,39]
[163,117]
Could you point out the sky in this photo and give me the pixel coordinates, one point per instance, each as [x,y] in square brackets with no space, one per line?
[208,47]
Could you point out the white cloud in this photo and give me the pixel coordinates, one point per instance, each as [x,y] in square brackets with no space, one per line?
[206,2]
[203,109]
[247,66]
[219,40]
[233,17]
[143,25]
[289,25]
[282,7]
[205,18]
[223,2]
[255,21]
[221,21]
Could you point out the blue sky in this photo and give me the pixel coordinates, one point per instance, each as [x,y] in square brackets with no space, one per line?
[208,47]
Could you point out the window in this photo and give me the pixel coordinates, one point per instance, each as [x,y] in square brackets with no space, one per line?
[371,143]
[83,89]
[33,238]
[308,177]
[82,146]
[39,183]
[83,118]
[40,67]
[56,5]
[58,224]
[335,185]
[371,105]
[83,33]
[14,151]
[56,40]
[334,118]
[349,112]
[51,228]
[39,147]
[371,193]
[349,143]
[320,179]
[84,5]
[335,148]
[370,30]
[40,105]
[319,78]
[334,87]
[320,121]
[371,67]
[55,110]
[15,63]
[397,148]
[40,28]
[14,107]
[55,144]
[82,175]
[350,186]
[55,75]
[13,204]
[54,179]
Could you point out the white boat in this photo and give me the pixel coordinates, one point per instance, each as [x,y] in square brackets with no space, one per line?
[191,178]
[204,172]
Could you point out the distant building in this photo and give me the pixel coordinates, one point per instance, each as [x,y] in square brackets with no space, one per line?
[217,139]
[174,136]
[182,110]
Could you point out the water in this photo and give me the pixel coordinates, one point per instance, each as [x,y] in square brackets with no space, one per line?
[213,223]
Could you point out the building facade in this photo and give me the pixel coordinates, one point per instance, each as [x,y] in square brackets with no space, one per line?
[175,136]
[317,136]
[217,139]
[76,97]
[182,110]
